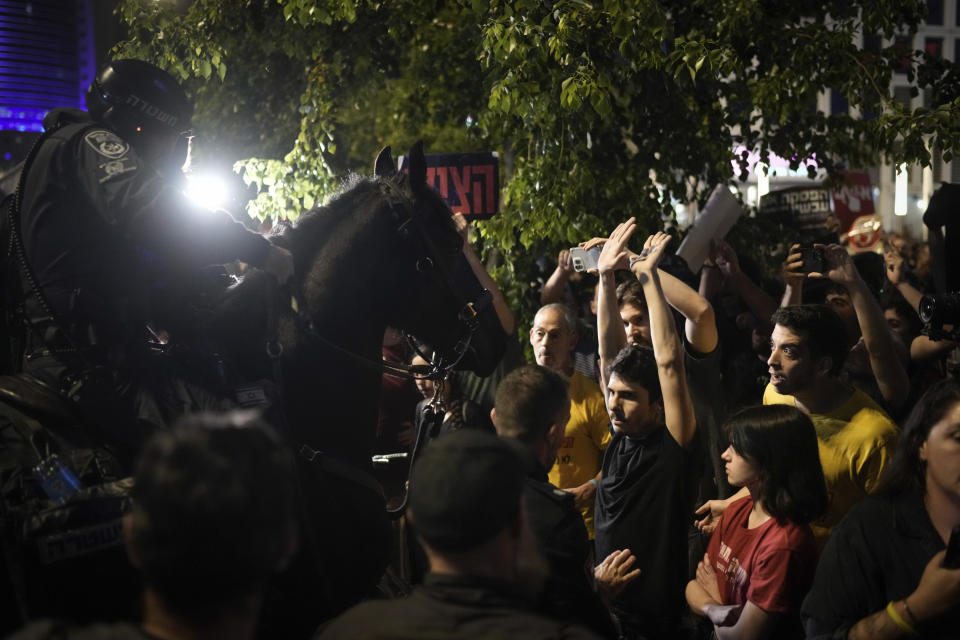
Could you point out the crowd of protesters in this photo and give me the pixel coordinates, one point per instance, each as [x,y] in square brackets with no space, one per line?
[689,455]
[776,457]
[683,459]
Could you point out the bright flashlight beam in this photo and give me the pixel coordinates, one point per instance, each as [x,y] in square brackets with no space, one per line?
[208,192]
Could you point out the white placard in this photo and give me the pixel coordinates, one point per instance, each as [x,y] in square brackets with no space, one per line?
[717,218]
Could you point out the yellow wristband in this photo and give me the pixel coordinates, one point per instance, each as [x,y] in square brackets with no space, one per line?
[898,619]
[910,618]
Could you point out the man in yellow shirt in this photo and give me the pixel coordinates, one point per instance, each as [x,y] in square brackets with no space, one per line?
[577,469]
[856,436]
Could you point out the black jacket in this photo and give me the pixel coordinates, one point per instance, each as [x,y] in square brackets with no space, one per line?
[558,525]
[451,607]
[876,554]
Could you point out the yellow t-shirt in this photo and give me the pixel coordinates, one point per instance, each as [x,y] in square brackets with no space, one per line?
[585,438]
[856,441]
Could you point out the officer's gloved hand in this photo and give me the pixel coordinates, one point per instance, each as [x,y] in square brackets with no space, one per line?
[279,263]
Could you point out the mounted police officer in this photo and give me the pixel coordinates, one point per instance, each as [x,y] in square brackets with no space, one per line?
[101,235]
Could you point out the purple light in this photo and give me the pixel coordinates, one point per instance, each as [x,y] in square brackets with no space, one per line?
[46,59]
[776,162]
[23,119]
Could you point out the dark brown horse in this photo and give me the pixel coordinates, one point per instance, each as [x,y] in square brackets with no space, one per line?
[383,253]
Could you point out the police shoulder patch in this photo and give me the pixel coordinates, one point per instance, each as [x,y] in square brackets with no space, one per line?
[107,144]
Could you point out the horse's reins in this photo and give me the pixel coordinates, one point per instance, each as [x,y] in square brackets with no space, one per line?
[469,310]
[468,317]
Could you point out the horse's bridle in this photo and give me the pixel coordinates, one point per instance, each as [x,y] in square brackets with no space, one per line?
[402,205]
[437,368]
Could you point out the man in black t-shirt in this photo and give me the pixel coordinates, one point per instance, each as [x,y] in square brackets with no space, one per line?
[648,484]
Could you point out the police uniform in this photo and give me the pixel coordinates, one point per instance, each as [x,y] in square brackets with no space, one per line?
[104,235]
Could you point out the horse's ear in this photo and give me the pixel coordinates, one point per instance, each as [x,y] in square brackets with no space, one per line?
[383,167]
[418,167]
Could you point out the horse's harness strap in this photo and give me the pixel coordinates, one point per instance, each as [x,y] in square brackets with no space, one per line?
[327,463]
[395,196]
[342,469]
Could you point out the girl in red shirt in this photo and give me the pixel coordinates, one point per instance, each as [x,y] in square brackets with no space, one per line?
[761,558]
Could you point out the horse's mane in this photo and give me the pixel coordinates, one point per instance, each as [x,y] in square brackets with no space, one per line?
[354,190]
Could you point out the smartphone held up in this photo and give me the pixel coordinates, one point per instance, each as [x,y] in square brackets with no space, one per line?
[584,260]
[813,259]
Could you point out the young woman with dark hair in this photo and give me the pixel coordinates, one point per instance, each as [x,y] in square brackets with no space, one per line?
[761,558]
[882,573]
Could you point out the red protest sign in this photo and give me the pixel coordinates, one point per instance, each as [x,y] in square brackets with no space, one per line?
[468,182]
[853,199]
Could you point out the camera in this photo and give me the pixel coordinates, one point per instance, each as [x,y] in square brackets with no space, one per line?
[939,311]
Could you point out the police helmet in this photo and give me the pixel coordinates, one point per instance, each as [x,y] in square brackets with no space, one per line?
[139,101]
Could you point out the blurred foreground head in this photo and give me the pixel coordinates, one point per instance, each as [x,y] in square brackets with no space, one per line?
[214,512]
[465,490]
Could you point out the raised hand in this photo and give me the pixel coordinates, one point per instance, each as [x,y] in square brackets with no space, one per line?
[653,248]
[614,254]
[895,266]
[725,258]
[838,265]
[462,226]
[792,268]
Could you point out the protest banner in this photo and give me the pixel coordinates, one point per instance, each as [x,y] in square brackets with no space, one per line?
[853,199]
[864,234]
[803,210]
[468,182]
